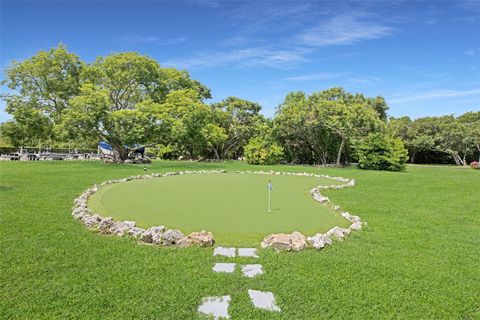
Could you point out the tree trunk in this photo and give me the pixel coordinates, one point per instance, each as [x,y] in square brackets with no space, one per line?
[340,150]
[217,156]
[412,158]
[455,159]
[458,160]
[119,154]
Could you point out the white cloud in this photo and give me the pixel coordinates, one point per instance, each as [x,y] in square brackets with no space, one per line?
[241,58]
[309,77]
[344,29]
[472,52]
[435,94]
[260,15]
[236,41]
[152,39]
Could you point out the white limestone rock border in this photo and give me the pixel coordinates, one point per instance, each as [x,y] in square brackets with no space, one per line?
[160,235]
[318,240]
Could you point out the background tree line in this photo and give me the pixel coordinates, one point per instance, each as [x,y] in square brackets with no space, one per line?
[126,99]
[445,139]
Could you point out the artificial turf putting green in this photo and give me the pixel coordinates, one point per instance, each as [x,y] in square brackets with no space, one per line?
[231,205]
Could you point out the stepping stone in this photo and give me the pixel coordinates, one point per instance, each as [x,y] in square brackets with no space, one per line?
[263,300]
[215,306]
[222,251]
[224,267]
[247,252]
[252,270]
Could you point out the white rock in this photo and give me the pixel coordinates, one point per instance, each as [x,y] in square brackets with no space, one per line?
[202,239]
[320,198]
[319,241]
[105,225]
[356,226]
[338,232]
[281,241]
[135,232]
[92,221]
[153,235]
[171,237]
[298,241]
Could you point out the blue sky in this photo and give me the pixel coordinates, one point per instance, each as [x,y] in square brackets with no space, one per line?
[422,56]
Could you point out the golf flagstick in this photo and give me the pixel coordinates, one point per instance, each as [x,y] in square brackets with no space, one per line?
[269,195]
[145,171]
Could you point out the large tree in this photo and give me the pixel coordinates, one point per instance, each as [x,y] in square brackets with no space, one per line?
[319,128]
[41,88]
[434,138]
[239,120]
[55,95]
[471,120]
[120,101]
[186,124]
[348,120]
[413,139]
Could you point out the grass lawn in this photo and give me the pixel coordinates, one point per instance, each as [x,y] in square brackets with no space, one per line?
[231,205]
[419,258]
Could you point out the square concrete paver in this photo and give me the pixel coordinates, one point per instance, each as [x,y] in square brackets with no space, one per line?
[247,252]
[263,300]
[222,251]
[251,270]
[224,267]
[215,306]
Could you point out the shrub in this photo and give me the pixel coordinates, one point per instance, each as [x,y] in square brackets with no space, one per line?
[261,150]
[380,152]
[475,165]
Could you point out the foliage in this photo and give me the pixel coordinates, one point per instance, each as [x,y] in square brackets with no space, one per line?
[262,149]
[322,127]
[41,88]
[184,122]
[128,99]
[381,152]
[115,99]
[45,81]
[437,137]
[239,120]
[91,116]
[29,128]
[471,121]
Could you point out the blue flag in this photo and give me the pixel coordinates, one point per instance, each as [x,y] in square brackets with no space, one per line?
[270,186]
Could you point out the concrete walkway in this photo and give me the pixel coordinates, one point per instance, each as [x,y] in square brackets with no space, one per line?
[217,306]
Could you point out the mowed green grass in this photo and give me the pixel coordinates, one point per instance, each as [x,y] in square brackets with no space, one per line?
[419,258]
[233,206]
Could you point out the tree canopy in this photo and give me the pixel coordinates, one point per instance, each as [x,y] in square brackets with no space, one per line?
[323,127]
[437,139]
[128,99]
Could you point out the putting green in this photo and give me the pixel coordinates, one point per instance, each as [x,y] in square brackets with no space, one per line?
[231,205]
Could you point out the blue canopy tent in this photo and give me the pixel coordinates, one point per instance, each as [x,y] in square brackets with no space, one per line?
[106,149]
